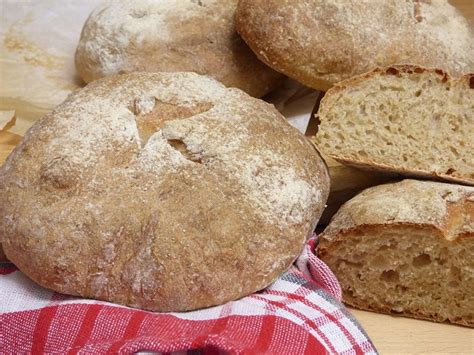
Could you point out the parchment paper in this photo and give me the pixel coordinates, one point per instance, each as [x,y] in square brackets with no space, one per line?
[37,44]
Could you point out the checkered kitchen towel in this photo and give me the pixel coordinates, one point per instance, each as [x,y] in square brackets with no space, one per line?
[300,313]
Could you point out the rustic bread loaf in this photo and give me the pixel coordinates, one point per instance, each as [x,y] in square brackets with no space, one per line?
[164,191]
[406,248]
[171,36]
[402,119]
[321,42]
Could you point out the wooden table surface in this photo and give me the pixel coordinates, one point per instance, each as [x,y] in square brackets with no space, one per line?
[391,335]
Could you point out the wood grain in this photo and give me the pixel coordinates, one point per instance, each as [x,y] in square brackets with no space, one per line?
[397,335]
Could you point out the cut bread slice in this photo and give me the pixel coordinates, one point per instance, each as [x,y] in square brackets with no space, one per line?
[406,248]
[403,119]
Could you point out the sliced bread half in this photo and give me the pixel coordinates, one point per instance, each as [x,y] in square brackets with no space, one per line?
[404,119]
[406,248]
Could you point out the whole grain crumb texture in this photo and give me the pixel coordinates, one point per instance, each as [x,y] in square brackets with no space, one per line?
[407,249]
[165,191]
[405,119]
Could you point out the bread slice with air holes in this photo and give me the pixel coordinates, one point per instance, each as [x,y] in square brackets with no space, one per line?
[406,248]
[404,119]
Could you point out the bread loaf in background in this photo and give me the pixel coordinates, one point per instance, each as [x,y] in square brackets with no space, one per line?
[406,248]
[322,42]
[347,182]
[125,36]
[401,119]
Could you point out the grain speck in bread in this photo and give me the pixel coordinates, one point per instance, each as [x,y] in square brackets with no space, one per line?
[406,248]
[321,42]
[403,119]
[165,191]
[171,36]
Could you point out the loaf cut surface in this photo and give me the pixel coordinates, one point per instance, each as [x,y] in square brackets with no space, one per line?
[403,119]
[166,191]
[126,36]
[321,42]
[406,248]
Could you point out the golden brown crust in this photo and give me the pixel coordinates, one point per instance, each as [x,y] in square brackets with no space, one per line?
[3,257]
[171,36]
[391,70]
[162,191]
[322,42]
[410,202]
[329,102]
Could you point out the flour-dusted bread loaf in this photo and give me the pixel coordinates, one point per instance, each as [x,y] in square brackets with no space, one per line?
[406,248]
[171,36]
[165,191]
[321,42]
[403,119]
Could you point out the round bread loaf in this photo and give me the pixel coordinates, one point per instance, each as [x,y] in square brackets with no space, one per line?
[164,191]
[321,42]
[171,36]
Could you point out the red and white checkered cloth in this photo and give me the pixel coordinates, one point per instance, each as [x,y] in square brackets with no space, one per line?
[300,313]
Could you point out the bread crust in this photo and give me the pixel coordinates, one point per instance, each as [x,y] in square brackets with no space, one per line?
[329,101]
[3,257]
[431,205]
[171,36]
[321,42]
[166,191]
[442,210]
